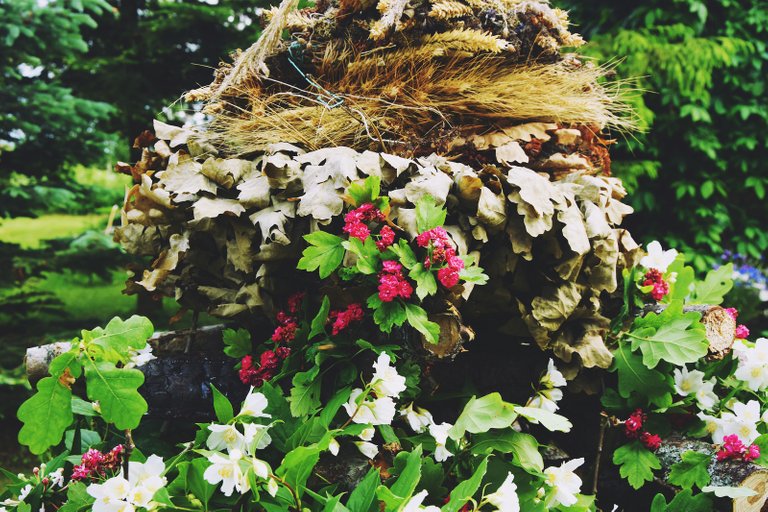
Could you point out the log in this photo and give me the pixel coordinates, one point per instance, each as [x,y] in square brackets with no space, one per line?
[729,473]
[720,326]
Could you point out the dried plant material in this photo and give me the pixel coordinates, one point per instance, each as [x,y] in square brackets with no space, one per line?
[466,40]
[449,9]
[166,262]
[206,208]
[186,177]
[391,14]
[510,153]
[226,172]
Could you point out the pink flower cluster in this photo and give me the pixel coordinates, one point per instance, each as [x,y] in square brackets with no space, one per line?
[660,287]
[442,252]
[386,238]
[742,331]
[355,222]
[288,323]
[633,429]
[342,319]
[392,282]
[93,463]
[269,361]
[734,449]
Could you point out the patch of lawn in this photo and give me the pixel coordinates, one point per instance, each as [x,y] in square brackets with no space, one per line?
[30,232]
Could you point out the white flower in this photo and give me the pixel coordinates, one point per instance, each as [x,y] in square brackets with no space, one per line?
[367,434]
[110,495]
[687,382]
[260,468]
[553,377]
[658,258]
[440,433]
[386,381]
[742,422]
[380,411]
[564,482]
[148,475]
[414,504]
[140,497]
[228,471]
[419,419]
[333,447]
[753,363]
[141,357]
[705,396]
[24,492]
[225,436]
[505,498]
[370,450]
[254,405]
[256,433]
[546,399]
[272,487]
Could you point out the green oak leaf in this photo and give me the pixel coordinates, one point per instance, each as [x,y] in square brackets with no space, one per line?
[119,336]
[237,343]
[713,288]
[418,319]
[45,415]
[684,501]
[116,390]
[428,214]
[691,470]
[672,336]
[483,414]
[636,463]
[681,288]
[426,284]
[635,377]
[324,253]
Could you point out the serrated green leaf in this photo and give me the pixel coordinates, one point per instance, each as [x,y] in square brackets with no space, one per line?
[635,377]
[362,496]
[672,336]
[116,390]
[237,343]
[428,214]
[523,447]
[320,319]
[305,393]
[691,470]
[324,253]
[461,494]
[636,463]
[483,414]
[426,284]
[387,314]
[417,318]
[404,253]
[364,191]
[762,443]
[473,274]
[367,253]
[222,406]
[45,415]
[684,501]
[119,336]
[713,288]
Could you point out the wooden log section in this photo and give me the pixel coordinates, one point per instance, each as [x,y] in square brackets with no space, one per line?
[727,473]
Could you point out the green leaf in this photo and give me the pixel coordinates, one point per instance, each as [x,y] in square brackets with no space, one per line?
[523,447]
[636,463]
[321,318]
[362,496]
[222,406]
[367,253]
[333,406]
[45,415]
[297,465]
[364,191]
[473,274]
[672,336]
[198,485]
[549,420]
[116,389]
[66,360]
[483,414]
[77,498]
[762,443]
[684,501]
[387,314]
[121,335]
[418,319]
[681,288]
[428,214]
[305,393]
[237,343]
[713,288]
[426,284]
[691,470]
[635,377]
[404,253]
[324,253]
[409,476]
[461,494]
[334,505]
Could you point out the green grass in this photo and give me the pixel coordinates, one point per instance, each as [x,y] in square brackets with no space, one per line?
[30,232]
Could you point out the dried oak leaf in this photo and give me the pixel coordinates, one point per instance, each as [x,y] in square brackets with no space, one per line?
[176,135]
[272,221]
[178,244]
[328,174]
[185,177]
[226,171]
[206,208]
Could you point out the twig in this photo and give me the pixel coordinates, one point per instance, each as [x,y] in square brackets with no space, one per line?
[599,453]
[129,446]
